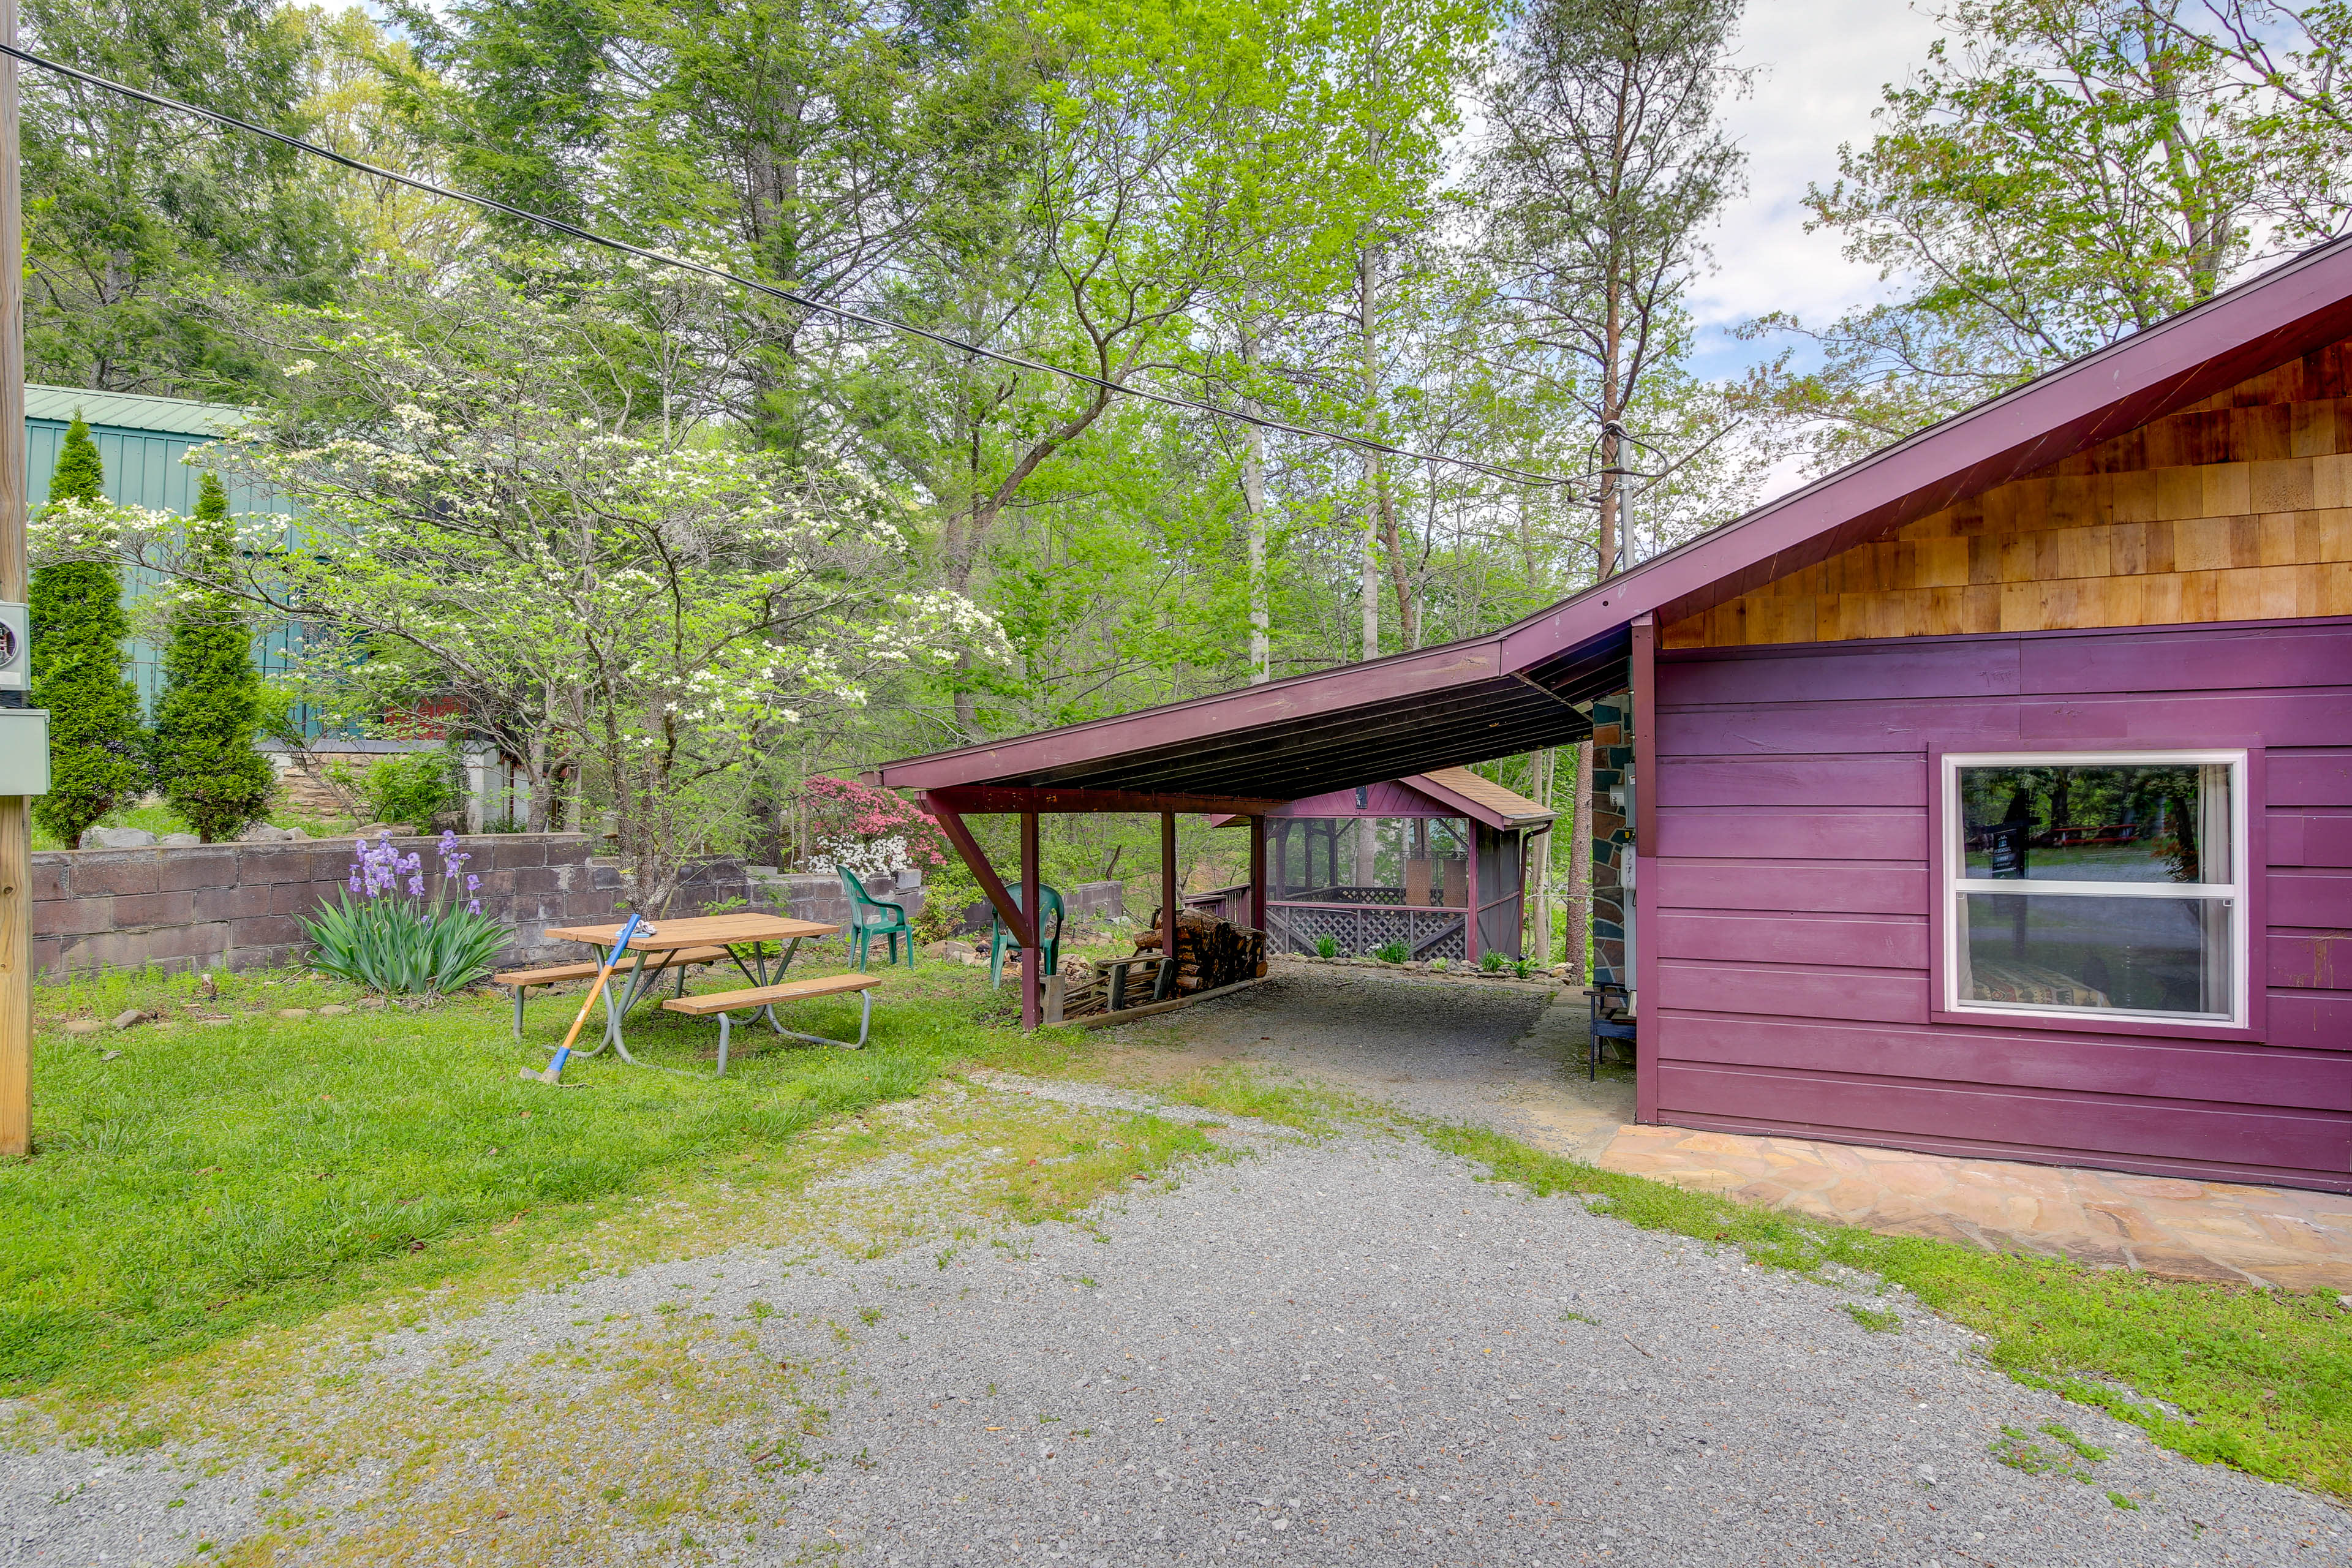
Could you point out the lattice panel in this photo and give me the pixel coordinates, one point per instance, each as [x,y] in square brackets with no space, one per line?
[1428,933]
[1438,935]
[1295,929]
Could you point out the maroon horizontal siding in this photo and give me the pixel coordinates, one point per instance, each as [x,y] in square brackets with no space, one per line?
[1794,832]
[1745,781]
[2311,837]
[1836,886]
[1792,981]
[2314,777]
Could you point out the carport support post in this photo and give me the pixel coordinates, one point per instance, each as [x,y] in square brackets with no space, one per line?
[1168,893]
[1257,873]
[1032,957]
[1470,882]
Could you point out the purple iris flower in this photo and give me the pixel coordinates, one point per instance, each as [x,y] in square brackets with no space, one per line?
[416,887]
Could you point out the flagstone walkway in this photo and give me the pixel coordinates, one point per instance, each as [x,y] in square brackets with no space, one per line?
[2282,1236]
[1500,1057]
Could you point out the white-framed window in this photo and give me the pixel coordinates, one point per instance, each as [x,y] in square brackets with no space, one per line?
[2101,884]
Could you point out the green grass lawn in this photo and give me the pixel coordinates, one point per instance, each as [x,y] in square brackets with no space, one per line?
[191,1179]
[160,819]
[206,1180]
[2261,1379]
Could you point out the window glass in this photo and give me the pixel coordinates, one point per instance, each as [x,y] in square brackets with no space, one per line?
[2166,821]
[2076,950]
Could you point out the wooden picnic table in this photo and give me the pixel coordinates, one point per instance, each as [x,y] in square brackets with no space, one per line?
[735,932]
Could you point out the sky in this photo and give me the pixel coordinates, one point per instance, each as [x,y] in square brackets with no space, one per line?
[1822,63]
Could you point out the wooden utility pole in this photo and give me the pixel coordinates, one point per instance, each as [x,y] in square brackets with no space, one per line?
[15,816]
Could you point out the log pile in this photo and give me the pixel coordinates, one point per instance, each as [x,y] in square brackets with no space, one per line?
[1210,952]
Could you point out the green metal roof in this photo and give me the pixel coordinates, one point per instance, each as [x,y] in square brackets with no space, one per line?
[131,410]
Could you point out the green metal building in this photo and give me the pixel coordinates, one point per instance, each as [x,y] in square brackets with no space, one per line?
[143,443]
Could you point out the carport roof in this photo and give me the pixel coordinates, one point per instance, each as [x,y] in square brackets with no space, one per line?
[1516,689]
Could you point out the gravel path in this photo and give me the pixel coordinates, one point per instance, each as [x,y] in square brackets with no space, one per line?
[1314,1352]
[1351,1351]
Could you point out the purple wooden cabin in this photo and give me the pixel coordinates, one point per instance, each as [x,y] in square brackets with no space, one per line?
[1989,797]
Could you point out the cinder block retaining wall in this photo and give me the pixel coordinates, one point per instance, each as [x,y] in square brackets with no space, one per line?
[238,906]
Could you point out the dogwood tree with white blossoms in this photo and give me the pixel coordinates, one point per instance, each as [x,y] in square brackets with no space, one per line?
[508,509]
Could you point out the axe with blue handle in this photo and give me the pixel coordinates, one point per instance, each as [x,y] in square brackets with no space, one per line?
[555,1070]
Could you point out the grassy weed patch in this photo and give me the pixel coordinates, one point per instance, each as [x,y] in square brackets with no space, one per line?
[214,1178]
[2261,1380]
[1871,1318]
[1239,1089]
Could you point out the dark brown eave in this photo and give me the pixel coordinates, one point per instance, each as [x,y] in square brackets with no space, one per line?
[1514,690]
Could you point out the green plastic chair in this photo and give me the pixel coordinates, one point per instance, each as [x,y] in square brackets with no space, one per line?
[869,917]
[1052,936]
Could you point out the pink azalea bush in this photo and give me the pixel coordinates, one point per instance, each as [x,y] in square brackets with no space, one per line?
[867,830]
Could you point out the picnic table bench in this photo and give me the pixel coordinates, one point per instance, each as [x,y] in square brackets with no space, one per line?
[523,981]
[765,997]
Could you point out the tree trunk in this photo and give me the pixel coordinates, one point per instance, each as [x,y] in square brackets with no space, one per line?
[1612,346]
[1612,409]
[1367,288]
[1253,498]
[540,783]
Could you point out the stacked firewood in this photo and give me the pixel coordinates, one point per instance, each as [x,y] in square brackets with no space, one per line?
[1210,952]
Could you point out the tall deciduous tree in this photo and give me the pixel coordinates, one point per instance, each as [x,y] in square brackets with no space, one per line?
[78,628]
[209,713]
[135,217]
[2061,173]
[1605,163]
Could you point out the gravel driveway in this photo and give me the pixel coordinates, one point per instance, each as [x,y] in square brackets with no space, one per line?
[1511,1057]
[1353,1352]
[1314,1352]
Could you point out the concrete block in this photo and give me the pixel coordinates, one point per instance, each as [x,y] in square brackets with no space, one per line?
[103,872]
[268,863]
[199,866]
[49,879]
[533,880]
[171,947]
[147,912]
[73,917]
[260,930]
[245,900]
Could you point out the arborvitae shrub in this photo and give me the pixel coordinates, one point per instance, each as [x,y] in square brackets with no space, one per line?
[79,628]
[207,718]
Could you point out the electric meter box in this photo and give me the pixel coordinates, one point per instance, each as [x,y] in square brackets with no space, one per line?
[24,750]
[15,649]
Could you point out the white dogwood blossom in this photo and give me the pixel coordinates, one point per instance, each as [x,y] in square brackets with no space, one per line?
[628,603]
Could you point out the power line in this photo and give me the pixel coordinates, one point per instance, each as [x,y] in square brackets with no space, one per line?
[560,225]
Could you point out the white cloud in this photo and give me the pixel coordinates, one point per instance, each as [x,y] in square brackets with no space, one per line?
[1824,65]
